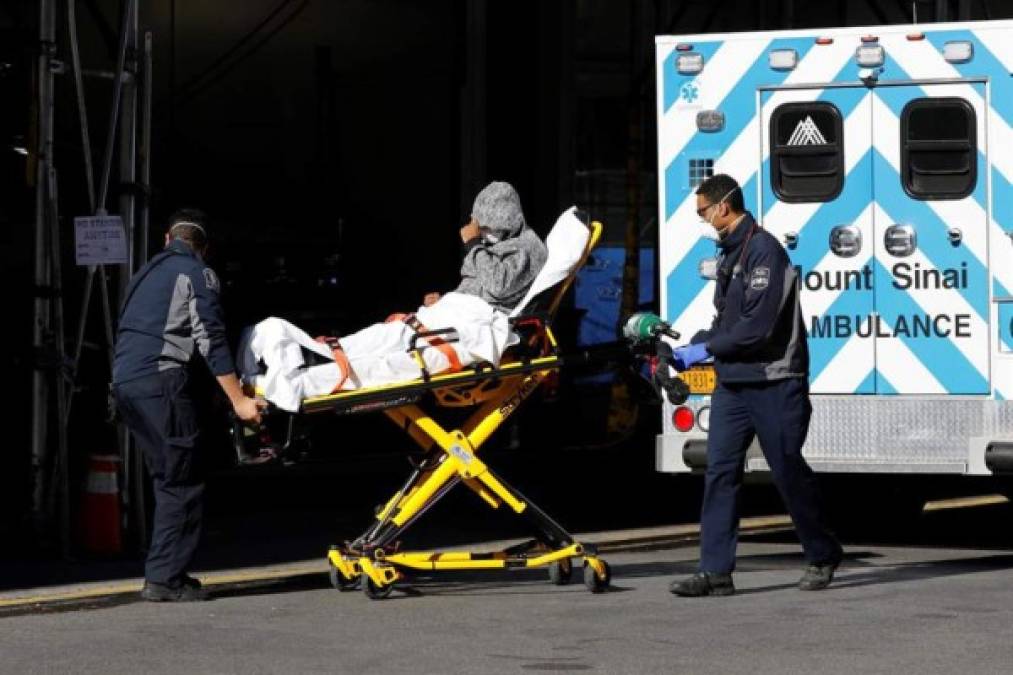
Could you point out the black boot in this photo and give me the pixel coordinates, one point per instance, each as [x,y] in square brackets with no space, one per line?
[817,577]
[703,583]
[154,592]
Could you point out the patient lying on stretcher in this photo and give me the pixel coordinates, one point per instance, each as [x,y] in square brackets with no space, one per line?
[502,258]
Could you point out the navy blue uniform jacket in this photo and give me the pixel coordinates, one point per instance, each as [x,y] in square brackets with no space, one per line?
[170,311]
[758,334]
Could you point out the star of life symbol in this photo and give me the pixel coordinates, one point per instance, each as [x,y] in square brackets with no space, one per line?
[807,133]
[689,92]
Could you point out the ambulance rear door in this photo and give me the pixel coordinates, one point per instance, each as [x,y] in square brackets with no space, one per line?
[930,186]
[816,198]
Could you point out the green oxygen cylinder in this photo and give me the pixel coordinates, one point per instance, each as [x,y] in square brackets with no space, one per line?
[643,326]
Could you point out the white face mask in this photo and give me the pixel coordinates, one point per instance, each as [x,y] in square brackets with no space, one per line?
[711,231]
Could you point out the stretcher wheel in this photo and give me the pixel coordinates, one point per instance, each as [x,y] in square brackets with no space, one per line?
[591,580]
[374,592]
[560,572]
[340,581]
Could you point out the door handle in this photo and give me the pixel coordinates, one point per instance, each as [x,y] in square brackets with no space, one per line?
[900,240]
[846,241]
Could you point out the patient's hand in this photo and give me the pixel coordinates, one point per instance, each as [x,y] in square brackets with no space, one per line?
[430,299]
[470,231]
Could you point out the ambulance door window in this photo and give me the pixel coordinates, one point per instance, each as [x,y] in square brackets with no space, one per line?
[938,148]
[807,152]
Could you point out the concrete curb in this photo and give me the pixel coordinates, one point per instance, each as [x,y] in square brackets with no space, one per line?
[76,596]
[99,593]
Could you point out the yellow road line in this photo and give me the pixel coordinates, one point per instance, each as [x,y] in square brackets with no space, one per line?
[965,502]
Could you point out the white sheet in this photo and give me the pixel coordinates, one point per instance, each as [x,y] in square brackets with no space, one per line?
[566,243]
[377,354]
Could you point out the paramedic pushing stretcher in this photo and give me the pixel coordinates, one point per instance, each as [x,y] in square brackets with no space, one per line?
[761,358]
[171,310]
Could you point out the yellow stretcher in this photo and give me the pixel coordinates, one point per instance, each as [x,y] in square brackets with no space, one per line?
[451,457]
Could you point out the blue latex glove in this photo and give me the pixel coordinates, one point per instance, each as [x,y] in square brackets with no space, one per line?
[688,355]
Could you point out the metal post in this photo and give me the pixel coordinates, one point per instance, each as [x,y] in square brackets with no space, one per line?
[41,324]
[145,154]
[473,143]
[60,498]
[128,142]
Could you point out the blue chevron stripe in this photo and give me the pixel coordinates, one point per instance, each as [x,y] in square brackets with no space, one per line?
[883,385]
[932,241]
[684,282]
[846,101]
[1002,200]
[673,80]
[983,63]
[1005,315]
[739,107]
[947,363]
[823,350]
[896,98]
[749,188]
[868,385]
[814,235]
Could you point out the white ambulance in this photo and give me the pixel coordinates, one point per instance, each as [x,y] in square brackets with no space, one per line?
[882,159]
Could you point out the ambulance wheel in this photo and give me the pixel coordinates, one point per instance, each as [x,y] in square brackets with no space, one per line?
[340,581]
[560,572]
[591,580]
[374,592]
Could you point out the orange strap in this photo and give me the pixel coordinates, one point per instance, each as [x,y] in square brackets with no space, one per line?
[342,361]
[339,357]
[439,343]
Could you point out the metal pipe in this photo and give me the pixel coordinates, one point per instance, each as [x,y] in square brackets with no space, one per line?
[128,144]
[61,387]
[40,327]
[82,109]
[145,152]
[114,113]
[89,174]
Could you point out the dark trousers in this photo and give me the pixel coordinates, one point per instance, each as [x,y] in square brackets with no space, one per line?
[777,413]
[159,411]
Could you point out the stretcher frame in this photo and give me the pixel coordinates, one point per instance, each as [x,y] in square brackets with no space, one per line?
[450,457]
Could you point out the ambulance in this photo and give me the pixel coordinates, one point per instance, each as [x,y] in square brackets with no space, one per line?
[882,159]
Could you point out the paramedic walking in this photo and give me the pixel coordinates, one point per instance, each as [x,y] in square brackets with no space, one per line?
[758,342]
[171,311]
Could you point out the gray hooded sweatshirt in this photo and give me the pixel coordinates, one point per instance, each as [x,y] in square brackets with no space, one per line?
[501,265]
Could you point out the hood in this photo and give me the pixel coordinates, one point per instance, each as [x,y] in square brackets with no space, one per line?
[498,209]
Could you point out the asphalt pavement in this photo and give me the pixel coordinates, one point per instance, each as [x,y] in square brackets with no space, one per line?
[892,609]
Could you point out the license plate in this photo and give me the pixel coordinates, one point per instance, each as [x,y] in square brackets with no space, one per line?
[701,380]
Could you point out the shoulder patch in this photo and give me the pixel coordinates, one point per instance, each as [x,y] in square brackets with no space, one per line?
[211,280]
[760,278]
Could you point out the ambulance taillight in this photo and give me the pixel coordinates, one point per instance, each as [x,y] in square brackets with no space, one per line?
[683,418]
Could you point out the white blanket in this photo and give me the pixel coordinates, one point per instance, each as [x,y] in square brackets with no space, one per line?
[377,354]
